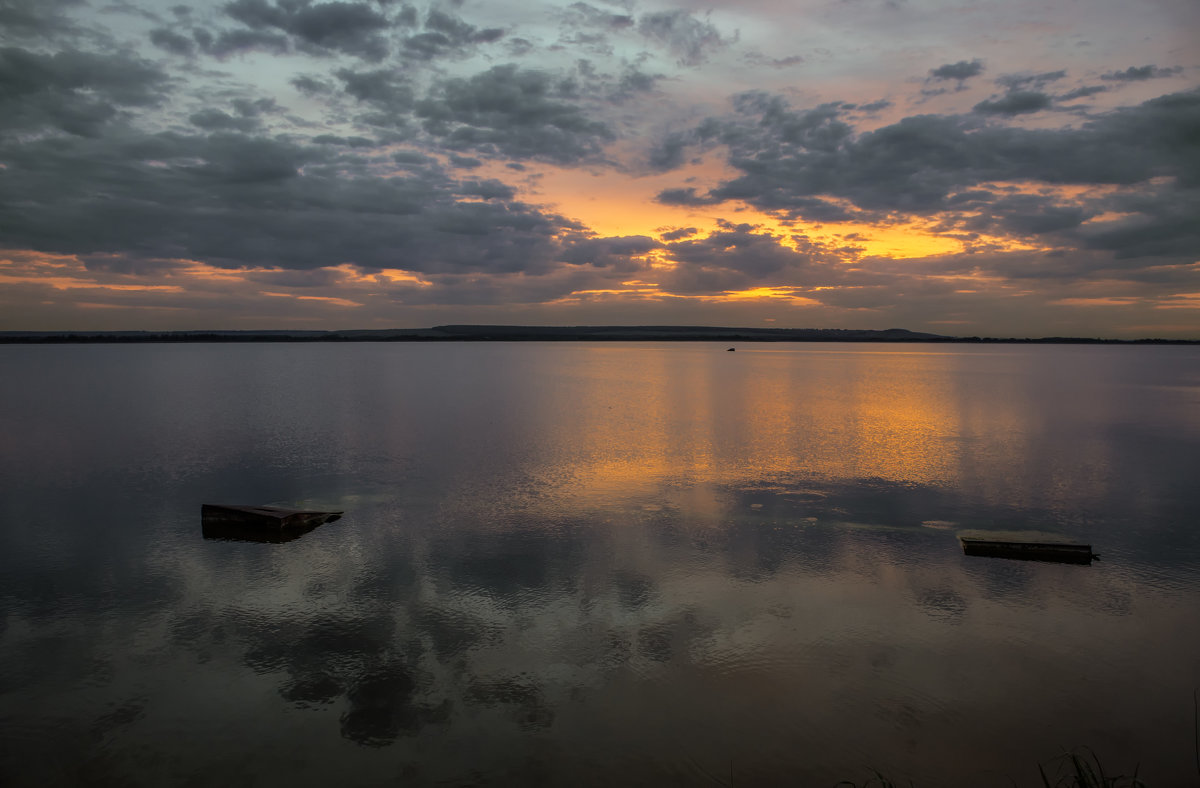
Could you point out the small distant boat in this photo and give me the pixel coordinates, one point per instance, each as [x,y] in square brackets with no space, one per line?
[730,349]
[260,523]
[1029,551]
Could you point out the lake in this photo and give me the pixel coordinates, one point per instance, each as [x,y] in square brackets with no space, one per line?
[596,564]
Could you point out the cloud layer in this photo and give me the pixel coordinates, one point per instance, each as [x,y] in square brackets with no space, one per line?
[399,162]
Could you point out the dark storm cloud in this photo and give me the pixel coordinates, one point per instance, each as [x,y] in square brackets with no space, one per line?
[513,112]
[582,14]
[686,37]
[215,120]
[488,189]
[236,41]
[682,232]
[351,142]
[350,28]
[1083,92]
[119,264]
[687,196]
[499,289]
[958,73]
[669,152]
[1160,222]
[587,82]
[519,47]
[1024,214]
[633,81]
[1056,272]
[314,278]
[254,107]
[447,35]
[759,59]
[1017,102]
[121,78]
[246,115]
[127,7]
[233,158]
[962,70]
[1023,81]
[1140,73]
[76,92]
[740,256]
[239,201]
[32,19]
[818,129]
[385,94]
[458,30]
[384,88]
[258,13]
[588,29]
[407,17]
[616,253]
[414,160]
[170,41]
[311,86]
[874,106]
[791,160]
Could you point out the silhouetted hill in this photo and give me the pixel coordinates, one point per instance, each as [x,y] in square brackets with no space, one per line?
[634,333]
[495,333]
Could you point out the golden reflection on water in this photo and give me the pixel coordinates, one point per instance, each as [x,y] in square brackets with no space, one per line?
[698,414]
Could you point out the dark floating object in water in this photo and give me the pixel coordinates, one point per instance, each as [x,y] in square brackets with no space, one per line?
[730,350]
[265,516]
[260,523]
[1030,551]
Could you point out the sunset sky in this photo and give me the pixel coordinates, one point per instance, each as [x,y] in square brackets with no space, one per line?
[1021,168]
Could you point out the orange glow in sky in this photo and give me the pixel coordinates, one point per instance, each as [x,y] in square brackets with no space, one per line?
[782,293]
[616,205]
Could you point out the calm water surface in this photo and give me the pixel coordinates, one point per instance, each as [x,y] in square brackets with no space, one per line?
[594,564]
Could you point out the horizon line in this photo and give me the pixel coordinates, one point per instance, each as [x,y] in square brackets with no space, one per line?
[515,332]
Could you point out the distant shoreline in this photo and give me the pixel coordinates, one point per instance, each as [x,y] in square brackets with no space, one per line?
[465,333]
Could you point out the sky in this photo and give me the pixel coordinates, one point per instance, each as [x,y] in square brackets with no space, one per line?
[1021,168]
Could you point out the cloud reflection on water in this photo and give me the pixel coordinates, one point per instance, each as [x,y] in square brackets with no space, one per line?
[618,564]
[873,628]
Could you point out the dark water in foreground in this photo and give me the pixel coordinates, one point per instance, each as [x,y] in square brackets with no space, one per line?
[583,564]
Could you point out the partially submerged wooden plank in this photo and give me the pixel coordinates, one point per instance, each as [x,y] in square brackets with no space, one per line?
[264,517]
[1029,551]
[232,532]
